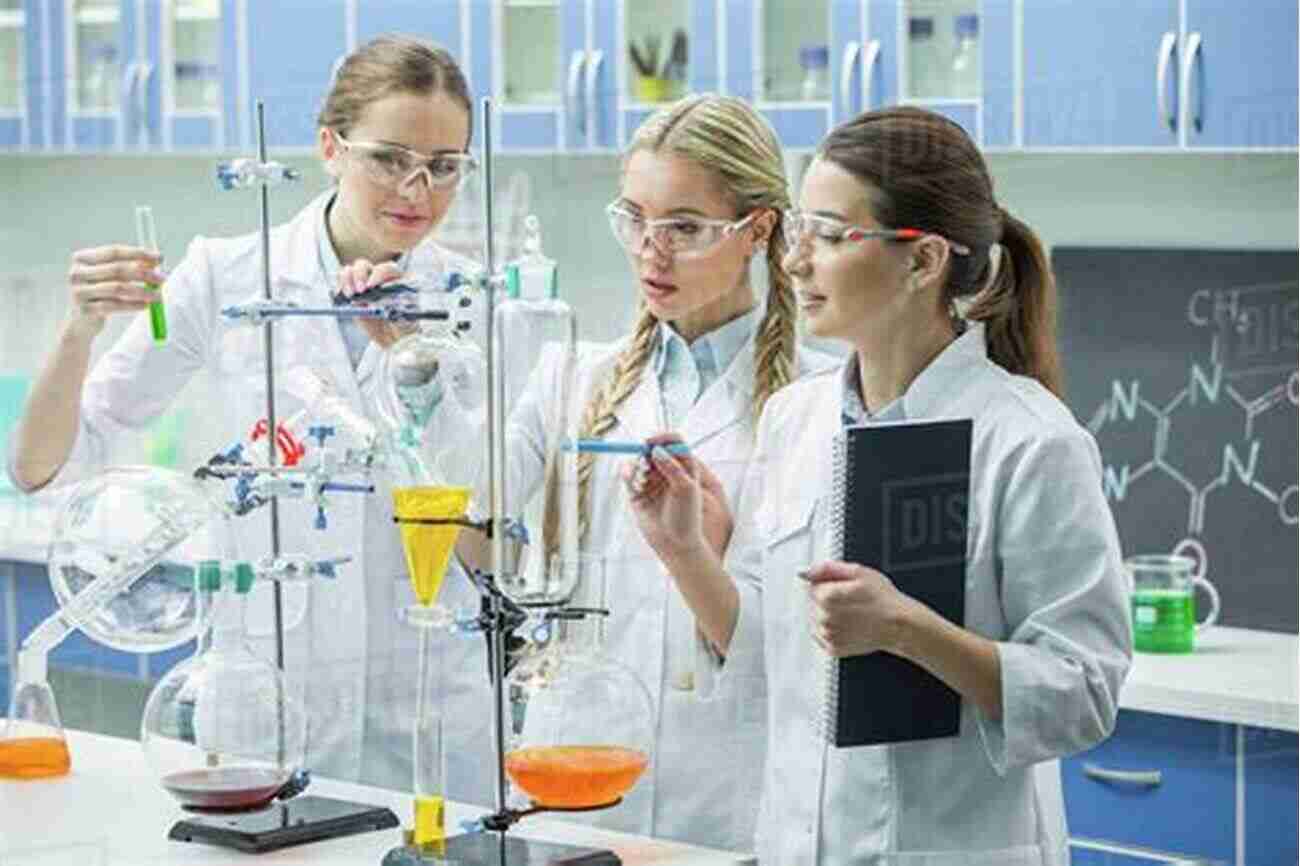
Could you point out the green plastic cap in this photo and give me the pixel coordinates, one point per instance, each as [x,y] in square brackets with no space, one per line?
[512,281]
[210,575]
[244,577]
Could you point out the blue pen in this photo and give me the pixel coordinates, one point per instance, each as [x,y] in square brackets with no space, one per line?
[607,446]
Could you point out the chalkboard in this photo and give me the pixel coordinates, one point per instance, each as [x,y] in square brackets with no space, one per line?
[1183,365]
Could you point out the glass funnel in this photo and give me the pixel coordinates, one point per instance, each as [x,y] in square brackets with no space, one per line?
[581,724]
[221,731]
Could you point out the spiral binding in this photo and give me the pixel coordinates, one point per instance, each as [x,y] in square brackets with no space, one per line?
[841,477]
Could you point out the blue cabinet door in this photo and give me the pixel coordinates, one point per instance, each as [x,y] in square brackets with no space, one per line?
[1187,806]
[96,66]
[1090,73]
[292,48]
[1239,69]
[1271,801]
[795,125]
[997,126]
[193,86]
[880,82]
[601,85]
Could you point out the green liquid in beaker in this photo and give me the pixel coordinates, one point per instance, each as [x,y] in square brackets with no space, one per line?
[1164,620]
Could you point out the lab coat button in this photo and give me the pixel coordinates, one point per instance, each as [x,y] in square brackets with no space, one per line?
[684,682]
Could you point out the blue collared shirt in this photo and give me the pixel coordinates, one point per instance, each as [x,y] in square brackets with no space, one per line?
[853,412]
[685,371]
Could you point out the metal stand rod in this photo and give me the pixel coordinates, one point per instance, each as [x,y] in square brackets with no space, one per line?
[495,468]
[268,346]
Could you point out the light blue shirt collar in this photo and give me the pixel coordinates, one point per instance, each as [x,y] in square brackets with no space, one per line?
[710,354]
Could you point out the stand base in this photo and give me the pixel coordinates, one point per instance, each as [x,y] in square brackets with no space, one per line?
[282,825]
[497,849]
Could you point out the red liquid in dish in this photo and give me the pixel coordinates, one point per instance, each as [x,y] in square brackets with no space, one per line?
[226,789]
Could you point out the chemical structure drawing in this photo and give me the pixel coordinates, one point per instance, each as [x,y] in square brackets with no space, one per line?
[1250,374]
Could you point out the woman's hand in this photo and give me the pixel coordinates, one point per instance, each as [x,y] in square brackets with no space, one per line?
[679,502]
[107,280]
[855,609]
[361,275]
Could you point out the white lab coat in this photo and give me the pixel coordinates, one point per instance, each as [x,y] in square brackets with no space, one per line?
[703,781]
[1043,579]
[361,685]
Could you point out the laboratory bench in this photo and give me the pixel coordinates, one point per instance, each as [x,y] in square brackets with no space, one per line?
[1202,763]
[111,811]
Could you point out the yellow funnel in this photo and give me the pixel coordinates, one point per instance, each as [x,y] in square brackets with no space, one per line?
[428,545]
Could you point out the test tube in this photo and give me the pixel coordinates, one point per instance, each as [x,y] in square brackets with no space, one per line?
[147,237]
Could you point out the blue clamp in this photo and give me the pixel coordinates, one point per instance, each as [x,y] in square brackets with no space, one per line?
[320,433]
[320,517]
[329,567]
[297,783]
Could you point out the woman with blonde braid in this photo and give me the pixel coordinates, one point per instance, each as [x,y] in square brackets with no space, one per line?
[702,193]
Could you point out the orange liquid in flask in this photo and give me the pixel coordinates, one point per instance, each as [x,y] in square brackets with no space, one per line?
[428,546]
[34,758]
[575,777]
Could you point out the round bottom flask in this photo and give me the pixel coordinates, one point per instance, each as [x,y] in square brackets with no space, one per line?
[221,731]
[581,723]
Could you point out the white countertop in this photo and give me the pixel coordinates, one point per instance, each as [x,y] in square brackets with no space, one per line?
[110,811]
[1235,675]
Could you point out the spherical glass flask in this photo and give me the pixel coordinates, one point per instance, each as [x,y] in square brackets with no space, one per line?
[125,548]
[221,731]
[432,370]
[581,724]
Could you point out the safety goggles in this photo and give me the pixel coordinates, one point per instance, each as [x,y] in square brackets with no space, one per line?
[799,225]
[393,166]
[680,237]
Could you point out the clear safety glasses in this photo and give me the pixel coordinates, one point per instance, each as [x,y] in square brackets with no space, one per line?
[799,225]
[681,237]
[393,166]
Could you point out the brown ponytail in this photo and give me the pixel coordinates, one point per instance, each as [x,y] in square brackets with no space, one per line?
[1018,308]
[926,173]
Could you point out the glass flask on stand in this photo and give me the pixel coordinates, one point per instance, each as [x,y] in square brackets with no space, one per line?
[581,723]
[538,409]
[126,547]
[221,731]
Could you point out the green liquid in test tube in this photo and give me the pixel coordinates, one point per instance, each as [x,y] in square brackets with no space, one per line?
[147,237]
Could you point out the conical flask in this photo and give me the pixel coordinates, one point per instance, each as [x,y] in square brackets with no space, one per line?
[221,731]
[33,746]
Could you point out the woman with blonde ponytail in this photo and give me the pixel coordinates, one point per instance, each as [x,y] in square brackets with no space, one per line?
[899,250]
[699,205]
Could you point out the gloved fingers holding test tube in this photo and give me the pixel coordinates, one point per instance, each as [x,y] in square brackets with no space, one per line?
[668,481]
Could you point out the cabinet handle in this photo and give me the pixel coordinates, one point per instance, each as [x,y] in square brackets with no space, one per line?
[1164,116]
[851,52]
[594,61]
[868,70]
[1144,778]
[144,73]
[571,92]
[1192,55]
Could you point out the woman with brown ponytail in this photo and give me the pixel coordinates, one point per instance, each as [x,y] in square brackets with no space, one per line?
[701,198]
[899,249]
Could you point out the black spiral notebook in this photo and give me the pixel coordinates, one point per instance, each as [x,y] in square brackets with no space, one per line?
[899,503]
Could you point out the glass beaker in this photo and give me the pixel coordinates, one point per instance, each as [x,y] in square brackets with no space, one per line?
[1164,602]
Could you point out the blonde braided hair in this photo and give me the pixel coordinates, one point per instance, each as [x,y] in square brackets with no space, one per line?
[729,137]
